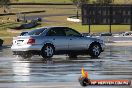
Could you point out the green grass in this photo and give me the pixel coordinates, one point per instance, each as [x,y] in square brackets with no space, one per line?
[65,1]
[61,20]
[49,1]
[4,26]
[46,1]
[58,20]
[78,27]
[94,28]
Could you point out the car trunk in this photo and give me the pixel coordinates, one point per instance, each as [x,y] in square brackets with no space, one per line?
[20,40]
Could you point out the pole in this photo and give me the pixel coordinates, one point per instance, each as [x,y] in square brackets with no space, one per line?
[25,17]
[89,26]
[89,29]
[110,28]
[110,18]
[77,13]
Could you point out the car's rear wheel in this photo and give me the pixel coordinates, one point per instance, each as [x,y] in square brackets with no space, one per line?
[47,51]
[94,50]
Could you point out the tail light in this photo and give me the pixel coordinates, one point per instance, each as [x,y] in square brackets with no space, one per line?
[31,41]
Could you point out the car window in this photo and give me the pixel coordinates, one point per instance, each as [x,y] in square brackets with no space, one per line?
[56,32]
[36,32]
[71,32]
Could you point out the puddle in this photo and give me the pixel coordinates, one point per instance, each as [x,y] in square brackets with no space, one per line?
[114,63]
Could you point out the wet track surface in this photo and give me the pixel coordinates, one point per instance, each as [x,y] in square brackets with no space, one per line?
[114,63]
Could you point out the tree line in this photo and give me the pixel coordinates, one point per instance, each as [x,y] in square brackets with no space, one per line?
[78,3]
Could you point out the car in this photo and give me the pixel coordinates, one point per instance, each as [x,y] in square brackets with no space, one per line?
[106,34]
[55,40]
[128,33]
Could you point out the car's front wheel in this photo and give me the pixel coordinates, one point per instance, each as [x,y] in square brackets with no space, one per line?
[47,51]
[94,50]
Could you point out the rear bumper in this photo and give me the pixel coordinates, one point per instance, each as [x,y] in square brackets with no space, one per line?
[26,48]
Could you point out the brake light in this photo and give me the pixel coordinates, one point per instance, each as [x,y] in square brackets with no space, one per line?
[31,41]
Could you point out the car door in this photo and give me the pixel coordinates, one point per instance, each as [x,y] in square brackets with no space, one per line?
[58,37]
[75,40]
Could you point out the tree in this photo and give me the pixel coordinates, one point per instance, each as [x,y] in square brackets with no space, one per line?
[5,4]
[79,3]
[105,1]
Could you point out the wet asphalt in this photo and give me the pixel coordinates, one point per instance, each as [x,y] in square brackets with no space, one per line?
[114,63]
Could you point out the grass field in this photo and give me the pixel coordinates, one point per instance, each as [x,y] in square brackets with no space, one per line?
[55,20]
[46,1]
[58,20]
[69,1]
[49,1]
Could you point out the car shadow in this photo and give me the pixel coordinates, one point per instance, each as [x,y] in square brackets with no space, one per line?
[55,59]
[83,58]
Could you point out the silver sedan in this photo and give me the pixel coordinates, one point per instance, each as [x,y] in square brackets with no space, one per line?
[49,41]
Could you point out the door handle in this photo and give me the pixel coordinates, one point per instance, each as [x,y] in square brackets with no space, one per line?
[53,38]
[70,39]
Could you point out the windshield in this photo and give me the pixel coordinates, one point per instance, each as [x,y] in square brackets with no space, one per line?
[37,31]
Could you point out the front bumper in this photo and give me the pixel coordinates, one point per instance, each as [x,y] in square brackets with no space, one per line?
[31,52]
[103,46]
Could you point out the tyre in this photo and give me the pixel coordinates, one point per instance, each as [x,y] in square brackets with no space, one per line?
[94,50]
[47,51]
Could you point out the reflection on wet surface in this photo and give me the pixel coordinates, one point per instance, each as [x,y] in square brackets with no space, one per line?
[114,63]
